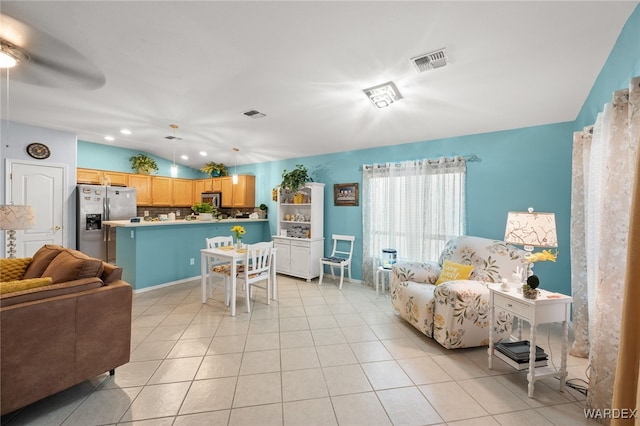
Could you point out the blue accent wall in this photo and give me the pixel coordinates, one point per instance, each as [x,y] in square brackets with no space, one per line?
[105,157]
[519,168]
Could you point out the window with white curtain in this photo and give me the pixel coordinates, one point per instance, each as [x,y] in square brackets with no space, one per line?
[414,207]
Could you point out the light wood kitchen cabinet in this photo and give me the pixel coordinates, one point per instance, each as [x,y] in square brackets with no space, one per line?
[242,194]
[216,184]
[200,186]
[117,178]
[89,176]
[161,191]
[142,184]
[183,192]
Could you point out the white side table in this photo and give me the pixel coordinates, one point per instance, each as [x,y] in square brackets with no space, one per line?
[380,273]
[548,307]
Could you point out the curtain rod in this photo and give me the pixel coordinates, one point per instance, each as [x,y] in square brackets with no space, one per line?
[472,158]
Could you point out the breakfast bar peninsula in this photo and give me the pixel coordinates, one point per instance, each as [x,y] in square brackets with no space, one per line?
[167,252]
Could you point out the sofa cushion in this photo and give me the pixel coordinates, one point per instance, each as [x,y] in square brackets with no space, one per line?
[72,265]
[20,285]
[41,259]
[452,271]
[13,269]
[49,291]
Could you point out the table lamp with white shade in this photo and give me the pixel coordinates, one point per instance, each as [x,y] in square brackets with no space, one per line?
[13,218]
[531,229]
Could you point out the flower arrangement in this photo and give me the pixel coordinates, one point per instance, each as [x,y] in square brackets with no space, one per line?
[143,164]
[239,231]
[542,256]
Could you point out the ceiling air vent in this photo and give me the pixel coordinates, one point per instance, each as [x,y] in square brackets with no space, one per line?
[254,114]
[431,60]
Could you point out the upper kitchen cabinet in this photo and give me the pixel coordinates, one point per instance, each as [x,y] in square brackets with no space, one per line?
[242,194]
[200,186]
[101,177]
[142,184]
[183,192]
[162,191]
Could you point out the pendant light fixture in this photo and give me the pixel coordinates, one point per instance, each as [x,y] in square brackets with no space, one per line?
[234,178]
[174,168]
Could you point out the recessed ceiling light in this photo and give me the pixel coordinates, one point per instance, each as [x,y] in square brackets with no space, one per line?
[125,131]
[109,138]
[184,157]
[204,154]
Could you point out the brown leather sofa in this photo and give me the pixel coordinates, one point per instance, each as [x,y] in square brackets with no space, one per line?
[75,326]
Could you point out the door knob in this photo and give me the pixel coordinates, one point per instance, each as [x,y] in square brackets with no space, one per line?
[58,227]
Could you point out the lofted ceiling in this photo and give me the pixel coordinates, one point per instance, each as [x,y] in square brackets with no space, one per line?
[304,64]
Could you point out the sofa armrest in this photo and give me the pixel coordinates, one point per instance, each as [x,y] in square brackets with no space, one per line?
[49,291]
[419,272]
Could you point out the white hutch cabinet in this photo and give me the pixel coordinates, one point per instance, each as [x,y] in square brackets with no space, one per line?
[300,231]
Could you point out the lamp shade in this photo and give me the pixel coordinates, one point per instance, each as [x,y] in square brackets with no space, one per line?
[531,229]
[15,217]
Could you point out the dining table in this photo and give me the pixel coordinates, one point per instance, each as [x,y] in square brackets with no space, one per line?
[234,256]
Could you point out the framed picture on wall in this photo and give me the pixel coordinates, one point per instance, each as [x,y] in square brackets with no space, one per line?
[345,194]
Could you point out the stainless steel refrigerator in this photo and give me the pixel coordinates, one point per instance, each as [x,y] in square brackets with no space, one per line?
[96,204]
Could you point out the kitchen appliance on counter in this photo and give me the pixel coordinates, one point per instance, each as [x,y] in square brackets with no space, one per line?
[213,198]
[94,205]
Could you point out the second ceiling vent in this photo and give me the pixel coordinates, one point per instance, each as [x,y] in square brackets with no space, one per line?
[431,60]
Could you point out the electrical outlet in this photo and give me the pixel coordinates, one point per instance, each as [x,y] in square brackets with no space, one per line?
[192,261]
[132,234]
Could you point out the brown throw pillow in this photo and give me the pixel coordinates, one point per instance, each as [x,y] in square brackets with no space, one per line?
[72,265]
[41,259]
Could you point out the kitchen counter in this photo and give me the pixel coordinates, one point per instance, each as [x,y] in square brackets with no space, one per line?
[162,253]
[129,224]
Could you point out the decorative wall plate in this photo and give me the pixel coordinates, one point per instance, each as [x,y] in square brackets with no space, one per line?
[38,150]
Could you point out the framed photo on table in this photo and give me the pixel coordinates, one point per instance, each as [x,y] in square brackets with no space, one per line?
[345,194]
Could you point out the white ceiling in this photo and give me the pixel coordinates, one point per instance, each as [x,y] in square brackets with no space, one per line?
[304,64]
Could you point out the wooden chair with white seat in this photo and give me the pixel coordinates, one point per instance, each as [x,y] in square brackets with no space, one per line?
[219,268]
[257,268]
[340,257]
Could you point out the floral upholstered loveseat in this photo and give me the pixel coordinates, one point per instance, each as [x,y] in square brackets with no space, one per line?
[456,313]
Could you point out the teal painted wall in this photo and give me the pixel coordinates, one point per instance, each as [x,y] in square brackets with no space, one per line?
[105,157]
[519,168]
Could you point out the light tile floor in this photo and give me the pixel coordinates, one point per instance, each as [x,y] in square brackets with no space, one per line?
[317,356]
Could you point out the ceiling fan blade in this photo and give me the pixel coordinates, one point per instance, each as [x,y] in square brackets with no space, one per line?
[49,62]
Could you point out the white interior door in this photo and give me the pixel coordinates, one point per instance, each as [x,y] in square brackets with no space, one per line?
[41,187]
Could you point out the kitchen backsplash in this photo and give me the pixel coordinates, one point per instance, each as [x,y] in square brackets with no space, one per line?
[185,211]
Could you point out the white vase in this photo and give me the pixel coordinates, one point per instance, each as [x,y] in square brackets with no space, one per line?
[205,216]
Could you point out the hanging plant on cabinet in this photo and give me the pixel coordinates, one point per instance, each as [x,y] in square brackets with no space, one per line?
[295,179]
[143,164]
[214,169]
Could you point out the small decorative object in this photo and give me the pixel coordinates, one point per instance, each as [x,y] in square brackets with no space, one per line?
[39,151]
[505,285]
[295,179]
[205,211]
[274,194]
[143,164]
[345,194]
[298,198]
[214,169]
[263,211]
[530,289]
[239,231]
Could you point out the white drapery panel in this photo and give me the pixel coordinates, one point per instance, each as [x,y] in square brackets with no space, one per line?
[414,207]
[603,173]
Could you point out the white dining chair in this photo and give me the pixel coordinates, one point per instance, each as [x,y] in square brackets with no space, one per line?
[340,257]
[257,269]
[219,268]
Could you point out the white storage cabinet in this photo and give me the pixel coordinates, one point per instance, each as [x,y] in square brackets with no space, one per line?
[300,232]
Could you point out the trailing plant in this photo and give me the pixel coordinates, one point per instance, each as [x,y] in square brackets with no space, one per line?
[295,179]
[143,163]
[263,206]
[214,169]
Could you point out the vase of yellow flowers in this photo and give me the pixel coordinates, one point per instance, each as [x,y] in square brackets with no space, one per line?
[530,289]
[239,231]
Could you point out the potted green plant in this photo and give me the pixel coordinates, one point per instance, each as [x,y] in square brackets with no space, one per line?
[263,211]
[295,179]
[143,164]
[214,169]
[205,211]
[530,289]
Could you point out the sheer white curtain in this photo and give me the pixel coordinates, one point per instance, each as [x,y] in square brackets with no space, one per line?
[414,207]
[603,172]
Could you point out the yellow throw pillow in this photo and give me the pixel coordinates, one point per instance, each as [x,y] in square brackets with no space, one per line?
[20,285]
[13,268]
[454,271]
